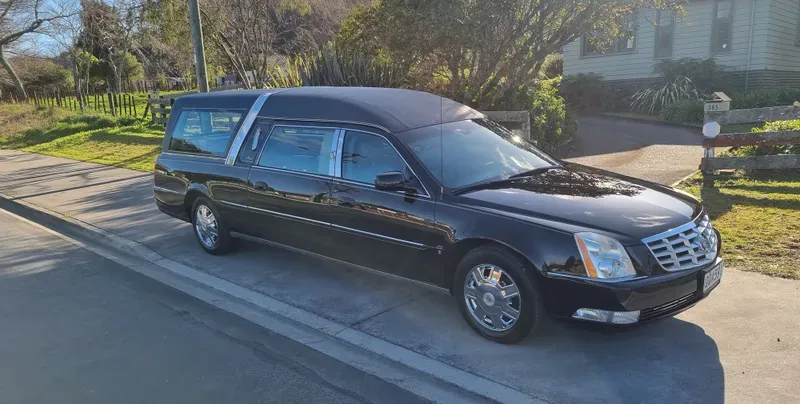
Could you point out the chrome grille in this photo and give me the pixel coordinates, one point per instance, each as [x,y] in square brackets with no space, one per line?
[688,246]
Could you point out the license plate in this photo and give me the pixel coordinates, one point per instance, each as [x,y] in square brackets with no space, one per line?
[712,277]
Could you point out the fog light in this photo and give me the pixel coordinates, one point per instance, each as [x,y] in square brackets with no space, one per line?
[605,316]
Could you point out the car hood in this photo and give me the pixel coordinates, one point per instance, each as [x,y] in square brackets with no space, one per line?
[581,197]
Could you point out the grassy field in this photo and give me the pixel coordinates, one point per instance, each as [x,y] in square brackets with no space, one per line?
[122,141]
[759,219]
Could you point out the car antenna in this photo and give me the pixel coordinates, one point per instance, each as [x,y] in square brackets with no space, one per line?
[441,146]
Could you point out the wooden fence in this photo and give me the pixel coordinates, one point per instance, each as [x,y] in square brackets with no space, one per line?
[711,163]
[114,104]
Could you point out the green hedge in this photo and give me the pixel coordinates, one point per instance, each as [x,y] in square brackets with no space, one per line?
[552,123]
[685,111]
[770,149]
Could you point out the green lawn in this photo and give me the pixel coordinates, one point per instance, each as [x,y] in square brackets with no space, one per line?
[759,219]
[122,141]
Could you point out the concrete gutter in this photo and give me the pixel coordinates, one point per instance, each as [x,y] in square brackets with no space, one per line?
[428,378]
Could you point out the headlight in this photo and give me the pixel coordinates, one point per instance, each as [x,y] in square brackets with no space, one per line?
[604,257]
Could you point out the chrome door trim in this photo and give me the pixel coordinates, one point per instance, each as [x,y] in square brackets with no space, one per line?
[404,194]
[302,251]
[167,190]
[339,159]
[381,236]
[288,216]
[244,128]
[237,205]
[194,155]
[337,140]
[337,163]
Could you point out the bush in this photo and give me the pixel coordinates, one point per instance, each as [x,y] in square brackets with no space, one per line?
[707,75]
[654,100]
[335,67]
[765,98]
[552,66]
[770,149]
[684,111]
[552,123]
[583,92]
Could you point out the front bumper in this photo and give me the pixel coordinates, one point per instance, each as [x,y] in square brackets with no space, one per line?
[654,296]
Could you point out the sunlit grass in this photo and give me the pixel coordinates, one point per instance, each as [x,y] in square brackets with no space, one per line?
[118,141]
[758,218]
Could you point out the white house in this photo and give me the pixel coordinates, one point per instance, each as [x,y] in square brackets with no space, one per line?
[758,39]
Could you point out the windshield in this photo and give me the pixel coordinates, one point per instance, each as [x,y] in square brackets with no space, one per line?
[474,151]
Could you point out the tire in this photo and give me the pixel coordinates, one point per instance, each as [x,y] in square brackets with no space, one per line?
[480,298]
[223,243]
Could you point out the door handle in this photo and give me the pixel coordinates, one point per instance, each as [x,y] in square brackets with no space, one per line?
[260,186]
[346,201]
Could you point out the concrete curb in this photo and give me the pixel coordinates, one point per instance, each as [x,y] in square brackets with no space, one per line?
[675,184]
[433,368]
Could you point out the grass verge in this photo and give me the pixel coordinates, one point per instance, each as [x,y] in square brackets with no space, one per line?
[759,218]
[117,141]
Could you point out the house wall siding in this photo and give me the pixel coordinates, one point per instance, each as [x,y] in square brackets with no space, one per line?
[692,39]
[782,52]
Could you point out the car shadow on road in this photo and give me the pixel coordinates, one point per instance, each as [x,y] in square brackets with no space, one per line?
[669,361]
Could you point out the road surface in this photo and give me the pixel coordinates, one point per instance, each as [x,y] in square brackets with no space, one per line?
[78,328]
[654,152]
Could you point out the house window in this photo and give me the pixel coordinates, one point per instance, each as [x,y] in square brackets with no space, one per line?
[625,43]
[722,28]
[665,34]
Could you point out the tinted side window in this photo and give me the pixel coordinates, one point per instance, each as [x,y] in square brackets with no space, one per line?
[364,156]
[204,131]
[299,148]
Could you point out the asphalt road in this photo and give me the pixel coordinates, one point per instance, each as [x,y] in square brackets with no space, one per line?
[654,152]
[78,328]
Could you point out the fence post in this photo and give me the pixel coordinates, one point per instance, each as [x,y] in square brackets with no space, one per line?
[133,101]
[111,103]
[58,98]
[35,98]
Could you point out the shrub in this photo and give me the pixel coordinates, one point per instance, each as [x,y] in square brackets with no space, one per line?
[552,123]
[765,98]
[770,149]
[684,111]
[335,67]
[654,100]
[707,75]
[583,92]
[552,66]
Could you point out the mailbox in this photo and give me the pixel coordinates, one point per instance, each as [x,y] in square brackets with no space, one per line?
[719,102]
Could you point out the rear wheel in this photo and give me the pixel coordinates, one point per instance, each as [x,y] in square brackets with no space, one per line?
[210,231]
[496,296]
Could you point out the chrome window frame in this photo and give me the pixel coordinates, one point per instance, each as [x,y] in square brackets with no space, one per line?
[244,128]
[338,164]
[331,153]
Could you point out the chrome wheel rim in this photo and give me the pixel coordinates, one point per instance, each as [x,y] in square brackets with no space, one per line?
[492,297]
[205,224]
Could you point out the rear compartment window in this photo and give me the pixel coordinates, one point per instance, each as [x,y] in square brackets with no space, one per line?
[299,148]
[206,132]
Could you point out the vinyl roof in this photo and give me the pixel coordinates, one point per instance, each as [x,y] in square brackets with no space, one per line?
[397,110]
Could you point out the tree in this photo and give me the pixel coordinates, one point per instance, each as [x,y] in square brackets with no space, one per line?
[484,50]
[21,17]
[109,33]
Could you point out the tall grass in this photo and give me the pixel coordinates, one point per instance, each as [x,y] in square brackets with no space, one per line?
[654,100]
[332,67]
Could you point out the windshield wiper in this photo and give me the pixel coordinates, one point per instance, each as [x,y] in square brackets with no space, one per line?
[533,172]
[489,184]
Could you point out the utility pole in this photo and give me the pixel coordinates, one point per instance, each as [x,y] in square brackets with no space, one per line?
[199,51]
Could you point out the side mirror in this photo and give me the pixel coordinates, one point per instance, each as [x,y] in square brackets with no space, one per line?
[390,181]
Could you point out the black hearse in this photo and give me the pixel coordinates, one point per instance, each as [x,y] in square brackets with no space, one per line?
[425,188]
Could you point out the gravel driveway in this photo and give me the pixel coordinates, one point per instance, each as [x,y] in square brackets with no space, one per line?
[655,152]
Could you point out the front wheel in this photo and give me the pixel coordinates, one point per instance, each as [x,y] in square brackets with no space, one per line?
[496,296]
[210,231]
